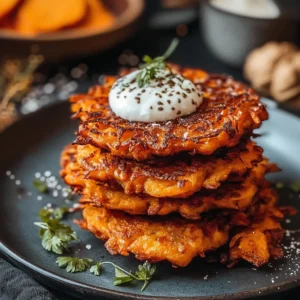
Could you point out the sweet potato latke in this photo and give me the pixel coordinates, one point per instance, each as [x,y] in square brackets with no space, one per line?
[229,111]
[178,189]
[179,241]
[236,195]
[176,176]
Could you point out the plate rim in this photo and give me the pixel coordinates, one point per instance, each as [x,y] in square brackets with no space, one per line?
[79,288]
[74,285]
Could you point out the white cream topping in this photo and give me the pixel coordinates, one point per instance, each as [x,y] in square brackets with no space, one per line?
[166,97]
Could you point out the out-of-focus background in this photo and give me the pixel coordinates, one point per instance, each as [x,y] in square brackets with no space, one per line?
[51,49]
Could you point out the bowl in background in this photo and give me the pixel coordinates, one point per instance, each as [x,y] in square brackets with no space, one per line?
[231,37]
[74,42]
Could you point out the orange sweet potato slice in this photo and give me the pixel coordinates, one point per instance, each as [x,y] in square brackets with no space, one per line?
[40,16]
[6,6]
[98,16]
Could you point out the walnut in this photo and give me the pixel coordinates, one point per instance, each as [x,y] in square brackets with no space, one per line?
[260,64]
[285,82]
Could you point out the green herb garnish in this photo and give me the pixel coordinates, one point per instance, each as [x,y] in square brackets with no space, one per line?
[72,264]
[58,213]
[144,273]
[121,277]
[151,66]
[295,186]
[40,186]
[45,214]
[96,269]
[55,235]
[279,185]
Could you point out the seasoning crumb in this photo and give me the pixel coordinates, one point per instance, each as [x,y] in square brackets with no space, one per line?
[39,198]
[88,246]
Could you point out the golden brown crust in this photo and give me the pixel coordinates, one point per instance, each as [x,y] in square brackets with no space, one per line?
[178,240]
[229,111]
[177,176]
[231,195]
[258,243]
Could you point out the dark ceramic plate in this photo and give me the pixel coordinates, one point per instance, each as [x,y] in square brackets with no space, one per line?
[34,144]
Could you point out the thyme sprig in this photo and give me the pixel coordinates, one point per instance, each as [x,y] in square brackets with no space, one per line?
[152,66]
[16,78]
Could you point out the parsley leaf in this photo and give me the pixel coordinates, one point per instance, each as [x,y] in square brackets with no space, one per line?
[55,235]
[45,214]
[40,186]
[96,269]
[74,264]
[145,272]
[121,277]
[58,213]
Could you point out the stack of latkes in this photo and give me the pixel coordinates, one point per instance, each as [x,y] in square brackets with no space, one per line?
[181,188]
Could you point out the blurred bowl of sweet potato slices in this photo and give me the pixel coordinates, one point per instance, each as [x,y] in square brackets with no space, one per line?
[66,28]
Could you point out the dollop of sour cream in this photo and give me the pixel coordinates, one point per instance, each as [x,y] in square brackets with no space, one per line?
[166,97]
